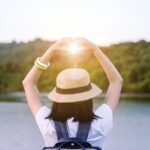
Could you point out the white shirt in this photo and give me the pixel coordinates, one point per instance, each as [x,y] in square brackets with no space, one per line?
[97,134]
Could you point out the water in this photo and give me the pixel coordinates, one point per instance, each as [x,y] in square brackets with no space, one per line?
[131,131]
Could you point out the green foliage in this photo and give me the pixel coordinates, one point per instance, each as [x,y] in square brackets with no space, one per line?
[131,59]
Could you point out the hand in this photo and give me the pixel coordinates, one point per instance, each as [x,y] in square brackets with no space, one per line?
[60,44]
[85,44]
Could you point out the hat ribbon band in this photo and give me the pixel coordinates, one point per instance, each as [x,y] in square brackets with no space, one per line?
[74,90]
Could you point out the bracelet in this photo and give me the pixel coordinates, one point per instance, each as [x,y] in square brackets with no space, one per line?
[41,65]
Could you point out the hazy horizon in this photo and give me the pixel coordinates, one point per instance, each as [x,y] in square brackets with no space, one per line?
[50,40]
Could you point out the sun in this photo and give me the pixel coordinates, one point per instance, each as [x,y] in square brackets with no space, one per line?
[74,48]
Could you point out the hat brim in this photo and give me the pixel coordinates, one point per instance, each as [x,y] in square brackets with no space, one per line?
[69,98]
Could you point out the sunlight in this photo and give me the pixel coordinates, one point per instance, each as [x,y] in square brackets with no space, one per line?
[74,48]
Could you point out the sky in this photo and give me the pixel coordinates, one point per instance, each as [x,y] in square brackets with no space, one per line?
[102,21]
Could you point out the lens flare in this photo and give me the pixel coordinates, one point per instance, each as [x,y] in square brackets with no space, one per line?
[74,48]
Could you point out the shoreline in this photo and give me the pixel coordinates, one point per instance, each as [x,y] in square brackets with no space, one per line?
[19,96]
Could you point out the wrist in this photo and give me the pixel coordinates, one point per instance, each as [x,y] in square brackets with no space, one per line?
[41,65]
[46,57]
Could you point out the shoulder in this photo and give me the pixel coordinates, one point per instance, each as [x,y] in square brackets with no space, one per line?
[41,120]
[42,113]
[105,121]
[104,111]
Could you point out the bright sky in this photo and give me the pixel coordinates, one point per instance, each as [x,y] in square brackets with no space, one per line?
[101,21]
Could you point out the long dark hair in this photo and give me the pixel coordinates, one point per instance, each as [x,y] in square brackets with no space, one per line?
[80,111]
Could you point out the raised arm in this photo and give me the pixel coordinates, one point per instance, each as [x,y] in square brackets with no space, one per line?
[115,79]
[32,78]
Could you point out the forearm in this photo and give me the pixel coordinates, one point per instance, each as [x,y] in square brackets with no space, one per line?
[110,70]
[34,74]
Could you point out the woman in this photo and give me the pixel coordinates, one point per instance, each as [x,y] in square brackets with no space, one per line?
[72,97]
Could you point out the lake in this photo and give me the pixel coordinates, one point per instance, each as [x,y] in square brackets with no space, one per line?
[131,131]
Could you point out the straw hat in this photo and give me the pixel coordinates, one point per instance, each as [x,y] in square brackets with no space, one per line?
[73,85]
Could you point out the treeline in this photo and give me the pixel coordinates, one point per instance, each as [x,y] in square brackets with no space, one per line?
[132,59]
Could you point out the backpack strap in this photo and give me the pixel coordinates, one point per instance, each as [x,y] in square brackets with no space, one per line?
[83,130]
[61,130]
